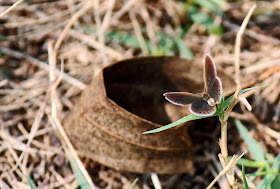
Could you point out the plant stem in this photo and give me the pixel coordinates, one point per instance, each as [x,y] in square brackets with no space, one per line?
[223,141]
[223,156]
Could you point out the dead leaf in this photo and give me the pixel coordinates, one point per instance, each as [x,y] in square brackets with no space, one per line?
[125,100]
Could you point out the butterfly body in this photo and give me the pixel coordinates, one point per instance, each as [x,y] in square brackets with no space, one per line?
[202,104]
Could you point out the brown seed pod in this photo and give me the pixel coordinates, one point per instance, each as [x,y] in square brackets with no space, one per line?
[126,99]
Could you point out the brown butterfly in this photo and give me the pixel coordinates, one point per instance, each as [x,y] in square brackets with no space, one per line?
[202,104]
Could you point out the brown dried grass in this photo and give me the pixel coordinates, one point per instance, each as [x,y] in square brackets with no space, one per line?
[29,141]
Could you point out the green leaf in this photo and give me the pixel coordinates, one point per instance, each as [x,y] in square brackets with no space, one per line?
[30,182]
[244,177]
[253,146]
[219,2]
[119,36]
[252,164]
[276,164]
[127,39]
[217,30]
[79,176]
[169,45]
[184,50]
[276,167]
[201,18]
[3,37]
[211,5]
[165,44]
[132,184]
[267,181]
[178,122]
[229,99]
[261,173]
[270,179]
[276,183]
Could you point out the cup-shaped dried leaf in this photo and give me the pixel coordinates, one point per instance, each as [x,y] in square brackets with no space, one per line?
[125,100]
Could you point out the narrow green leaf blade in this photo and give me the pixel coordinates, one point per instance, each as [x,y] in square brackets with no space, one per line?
[229,99]
[261,173]
[216,30]
[211,5]
[201,18]
[219,2]
[30,182]
[178,122]
[132,184]
[276,183]
[253,146]
[250,163]
[184,50]
[276,164]
[271,175]
[244,177]
[276,167]
[267,181]
[79,176]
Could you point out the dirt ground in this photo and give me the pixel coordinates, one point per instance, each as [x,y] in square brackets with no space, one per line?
[39,38]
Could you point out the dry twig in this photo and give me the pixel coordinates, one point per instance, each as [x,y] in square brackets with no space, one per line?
[10,8]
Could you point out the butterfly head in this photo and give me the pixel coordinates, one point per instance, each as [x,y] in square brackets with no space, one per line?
[211,101]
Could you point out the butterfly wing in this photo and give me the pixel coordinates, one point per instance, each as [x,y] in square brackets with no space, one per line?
[210,73]
[202,108]
[216,90]
[182,98]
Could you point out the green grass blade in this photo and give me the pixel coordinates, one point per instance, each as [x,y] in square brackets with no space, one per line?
[178,122]
[261,173]
[244,177]
[127,39]
[210,5]
[229,99]
[270,174]
[267,181]
[79,176]
[276,167]
[250,163]
[219,2]
[253,146]
[30,182]
[276,183]
[184,50]
[276,164]
[132,184]
[200,17]
[216,30]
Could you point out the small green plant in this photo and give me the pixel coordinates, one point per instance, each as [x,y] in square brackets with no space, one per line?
[203,12]
[268,166]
